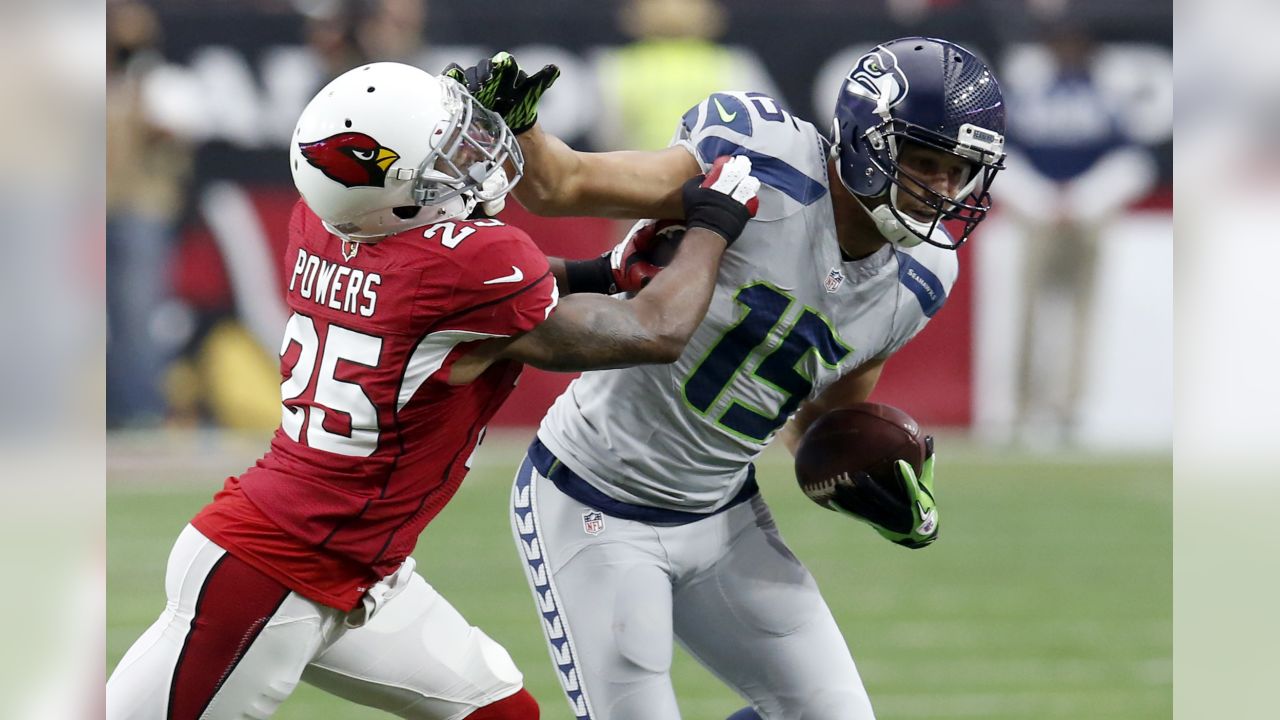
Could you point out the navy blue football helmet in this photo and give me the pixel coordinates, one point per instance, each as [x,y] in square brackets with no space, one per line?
[933,93]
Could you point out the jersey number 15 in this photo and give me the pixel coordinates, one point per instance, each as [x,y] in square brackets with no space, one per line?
[779,369]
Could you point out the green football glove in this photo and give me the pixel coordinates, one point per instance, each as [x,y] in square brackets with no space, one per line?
[500,85]
[924,509]
[905,515]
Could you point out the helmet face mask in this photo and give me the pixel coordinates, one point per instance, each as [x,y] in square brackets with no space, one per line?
[387,147]
[471,151]
[967,206]
[927,93]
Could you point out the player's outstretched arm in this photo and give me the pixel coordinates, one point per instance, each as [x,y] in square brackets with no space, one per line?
[630,265]
[591,332]
[559,180]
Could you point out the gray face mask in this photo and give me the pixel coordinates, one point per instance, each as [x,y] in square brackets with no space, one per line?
[470,156]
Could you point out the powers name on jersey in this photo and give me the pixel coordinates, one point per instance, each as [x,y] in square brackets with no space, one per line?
[335,285]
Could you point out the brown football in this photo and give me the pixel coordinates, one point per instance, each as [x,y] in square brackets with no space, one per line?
[843,444]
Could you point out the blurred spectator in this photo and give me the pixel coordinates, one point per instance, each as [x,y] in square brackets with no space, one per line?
[331,38]
[342,34]
[394,31]
[147,172]
[51,201]
[914,11]
[1071,171]
[673,65]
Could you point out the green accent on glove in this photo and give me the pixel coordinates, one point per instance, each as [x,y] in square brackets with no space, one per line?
[500,85]
[504,74]
[924,509]
[525,113]
[454,72]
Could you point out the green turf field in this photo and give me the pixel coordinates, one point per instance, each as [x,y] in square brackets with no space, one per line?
[1048,595]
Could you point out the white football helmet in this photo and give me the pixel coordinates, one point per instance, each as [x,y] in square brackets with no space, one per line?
[387,147]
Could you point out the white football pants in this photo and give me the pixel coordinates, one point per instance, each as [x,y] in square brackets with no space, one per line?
[232,643]
[612,593]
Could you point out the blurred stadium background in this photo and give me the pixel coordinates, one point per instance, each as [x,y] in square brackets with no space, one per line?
[1049,376]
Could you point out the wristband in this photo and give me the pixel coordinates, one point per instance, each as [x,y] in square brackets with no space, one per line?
[592,276]
[713,210]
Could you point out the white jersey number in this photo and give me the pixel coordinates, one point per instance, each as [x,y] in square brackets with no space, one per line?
[451,236]
[332,398]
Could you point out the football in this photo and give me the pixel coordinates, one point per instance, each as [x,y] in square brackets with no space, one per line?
[667,235]
[857,447]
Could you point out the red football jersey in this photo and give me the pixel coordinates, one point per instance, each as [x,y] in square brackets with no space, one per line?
[374,440]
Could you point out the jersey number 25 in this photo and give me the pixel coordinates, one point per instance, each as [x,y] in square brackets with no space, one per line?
[338,404]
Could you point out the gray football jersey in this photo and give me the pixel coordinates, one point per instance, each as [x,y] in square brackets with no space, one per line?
[788,318]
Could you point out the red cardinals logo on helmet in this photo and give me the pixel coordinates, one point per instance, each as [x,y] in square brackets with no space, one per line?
[351,158]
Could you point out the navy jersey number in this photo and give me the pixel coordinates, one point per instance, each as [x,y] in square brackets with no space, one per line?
[780,369]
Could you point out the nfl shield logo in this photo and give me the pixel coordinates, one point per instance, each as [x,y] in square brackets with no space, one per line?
[835,279]
[593,522]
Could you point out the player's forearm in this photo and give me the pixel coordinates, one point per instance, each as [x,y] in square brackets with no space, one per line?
[853,388]
[560,273]
[550,168]
[797,425]
[674,303]
[593,275]
[559,180]
[591,332]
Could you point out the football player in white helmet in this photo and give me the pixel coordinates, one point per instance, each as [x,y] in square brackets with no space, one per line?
[449,154]
[412,313]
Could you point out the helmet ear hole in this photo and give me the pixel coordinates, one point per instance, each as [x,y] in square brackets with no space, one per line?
[406,212]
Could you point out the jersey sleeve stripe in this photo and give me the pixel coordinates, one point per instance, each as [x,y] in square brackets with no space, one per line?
[429,357]
[770,170]
[922,282]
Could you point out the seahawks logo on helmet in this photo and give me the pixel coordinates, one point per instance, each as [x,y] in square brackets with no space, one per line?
[878,78]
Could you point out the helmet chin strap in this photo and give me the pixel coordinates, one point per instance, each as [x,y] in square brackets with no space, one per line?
[896,226]
[890,227]
[457,206]
[495,183]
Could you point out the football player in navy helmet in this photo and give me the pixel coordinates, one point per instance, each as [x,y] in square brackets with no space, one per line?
[636,513]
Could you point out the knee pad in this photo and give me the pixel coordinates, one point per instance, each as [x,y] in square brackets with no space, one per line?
[520,706]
